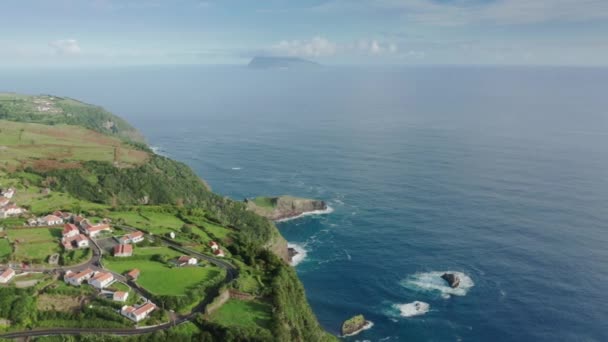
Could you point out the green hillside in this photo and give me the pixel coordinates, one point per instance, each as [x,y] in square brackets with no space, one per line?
[64,158]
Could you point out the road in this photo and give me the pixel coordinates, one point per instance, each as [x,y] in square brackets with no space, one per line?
[95,264]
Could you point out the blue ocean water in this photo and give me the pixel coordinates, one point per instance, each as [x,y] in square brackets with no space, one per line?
[498,173]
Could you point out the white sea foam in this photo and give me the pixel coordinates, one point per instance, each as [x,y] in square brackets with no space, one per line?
[367,326]
[432,281]
[298,258]
[412,309]
[329,210]
[236,168]
[158,150]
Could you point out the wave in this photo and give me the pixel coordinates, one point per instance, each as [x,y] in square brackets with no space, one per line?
[412,309]
[298,258]
[368,325]
[432,282]
[235,168]
[329,210]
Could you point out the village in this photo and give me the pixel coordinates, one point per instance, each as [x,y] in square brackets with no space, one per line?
[81,233]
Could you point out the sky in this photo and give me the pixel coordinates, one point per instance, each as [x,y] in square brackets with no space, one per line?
[333,32]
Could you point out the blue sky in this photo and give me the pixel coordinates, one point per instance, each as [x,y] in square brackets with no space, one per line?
[383,32]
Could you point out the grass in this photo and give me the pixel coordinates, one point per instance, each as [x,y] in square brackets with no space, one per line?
[35,243]
[55,302]
[243,314]
[5,249]
[159,278]
[217,231]
[154,222]
[265,202]
[47,147]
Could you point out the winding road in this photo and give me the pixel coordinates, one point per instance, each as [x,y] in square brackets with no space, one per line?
[95,264]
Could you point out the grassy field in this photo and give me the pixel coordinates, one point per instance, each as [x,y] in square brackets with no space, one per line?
[265,202]
[5,249]
[218,231]
[243,314]
[35,243]
[154,222]
[160,278]
[47,147]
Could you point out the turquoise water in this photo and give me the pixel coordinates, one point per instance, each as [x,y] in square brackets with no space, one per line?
[497,173]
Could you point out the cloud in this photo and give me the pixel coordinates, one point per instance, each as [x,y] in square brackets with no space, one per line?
[315,47]
[66,47]
[462,12]
[323,47]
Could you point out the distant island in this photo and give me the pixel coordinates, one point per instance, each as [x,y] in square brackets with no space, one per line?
[270,62]
[285,207]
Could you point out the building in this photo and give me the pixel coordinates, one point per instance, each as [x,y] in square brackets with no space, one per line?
[64,215]
[139,313]
[50,220]
[101,280]
[81,241]
[78,220]
[185,260]
[11,210]
[218,252]
[133,274]
[214,246]
[3,201]
[77,278]
[123,250]
[8,193]
[134,237]
[7,275]
[120,296]
[70,231]
[95,230]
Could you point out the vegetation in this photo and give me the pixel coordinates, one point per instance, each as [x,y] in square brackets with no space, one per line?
[248,314]
[155,194]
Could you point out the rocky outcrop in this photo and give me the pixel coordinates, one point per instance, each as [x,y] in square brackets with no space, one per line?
[354,325]
[278,246]
[451,279]
[283,207]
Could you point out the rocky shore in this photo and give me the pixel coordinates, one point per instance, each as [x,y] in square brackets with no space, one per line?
[355,325]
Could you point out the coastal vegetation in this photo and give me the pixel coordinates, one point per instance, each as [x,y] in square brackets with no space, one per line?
[121,179]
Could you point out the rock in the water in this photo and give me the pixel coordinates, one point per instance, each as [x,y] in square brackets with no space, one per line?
[292,252]
[451,279]
[354,325]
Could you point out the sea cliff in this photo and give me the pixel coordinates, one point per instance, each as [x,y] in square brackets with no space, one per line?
[284,207]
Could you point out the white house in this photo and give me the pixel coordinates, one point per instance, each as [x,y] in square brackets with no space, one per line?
[8,193]
[134,237]
[120,296]
[93,231]
[139,313]
[77,278]
[70,231]
[185,260]
[218,252]
[7,275]
[50,220]
[101,280]
[11,210]
[81,241]
[214,246]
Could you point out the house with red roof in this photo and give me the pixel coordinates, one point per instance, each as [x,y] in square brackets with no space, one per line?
[186,260]
[101,280]
[4,201]
[137,314]
[7,275]
[133,274]
[213,245]
[134,237]
[120,296]
[69,231]
[123,250]
[219,253]
[77,278]
[50,220]
[95,230]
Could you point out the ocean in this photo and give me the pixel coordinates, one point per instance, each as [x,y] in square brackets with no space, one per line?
[498,173]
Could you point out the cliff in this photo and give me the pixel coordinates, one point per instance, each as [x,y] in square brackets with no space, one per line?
[283,207]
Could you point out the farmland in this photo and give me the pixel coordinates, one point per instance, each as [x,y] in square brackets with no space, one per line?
[243,314]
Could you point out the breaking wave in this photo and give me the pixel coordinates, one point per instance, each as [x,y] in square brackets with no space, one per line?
[298,258]
[432,282]
[412,309]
